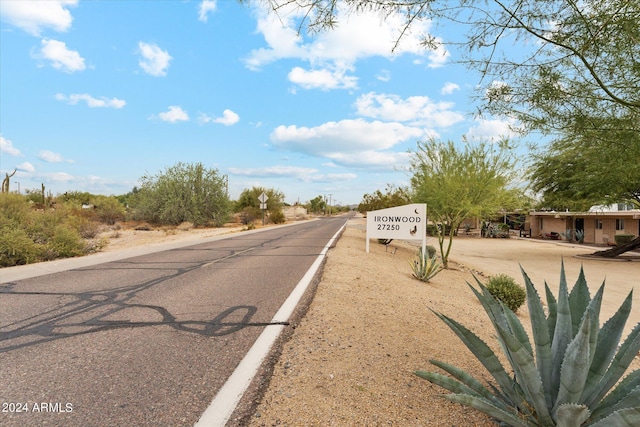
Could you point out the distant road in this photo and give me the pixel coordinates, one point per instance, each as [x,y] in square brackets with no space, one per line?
[145,341]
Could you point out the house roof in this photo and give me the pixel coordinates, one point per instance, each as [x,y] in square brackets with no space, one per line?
[633,214]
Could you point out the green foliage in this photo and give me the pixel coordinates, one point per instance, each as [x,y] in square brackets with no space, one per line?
[183,192]
[426,266]
[569,376]
[505,289]
[64,242]
[16,248]
[317,205]
[277,217]
[622,239]
[28,235]
[249,214]
[249,202]
[458,183]
[108,209]
[393,196]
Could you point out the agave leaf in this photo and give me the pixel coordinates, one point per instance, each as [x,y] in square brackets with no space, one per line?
[579,299]
[571,415]
[575,367]
[608,339]
[488,408]
[594,310]
[502,315]
[562,335]
[625,398]
[624,418]
[469,381]
[623,358]
[541,336]
[552,304]
[516,328]
[490,304]
[486,356]
[627,390]
[447,383]
[527,376]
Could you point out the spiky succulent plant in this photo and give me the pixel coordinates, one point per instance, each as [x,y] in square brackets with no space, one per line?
[569,377]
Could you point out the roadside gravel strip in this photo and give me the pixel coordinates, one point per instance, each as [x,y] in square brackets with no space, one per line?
[224,404]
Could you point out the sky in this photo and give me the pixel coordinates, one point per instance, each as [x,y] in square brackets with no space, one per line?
[96,94]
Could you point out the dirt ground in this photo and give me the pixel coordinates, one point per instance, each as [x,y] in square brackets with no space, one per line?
[351,360]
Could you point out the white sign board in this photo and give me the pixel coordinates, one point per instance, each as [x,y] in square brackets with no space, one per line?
[408,222]
[263,198]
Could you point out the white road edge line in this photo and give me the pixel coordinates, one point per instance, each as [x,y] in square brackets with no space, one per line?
[224,403]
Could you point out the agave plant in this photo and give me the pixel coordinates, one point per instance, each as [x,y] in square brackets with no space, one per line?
[569,377]
[425,267]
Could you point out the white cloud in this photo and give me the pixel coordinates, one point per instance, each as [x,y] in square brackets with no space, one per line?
[51,157]
[384,75]
[418,110]
[449,88]
[206,7]
[492,130]
[26,167]
[155,61]
[348,142]
[439,56]
[175,114]
[294,172]
[92,102]
[332,53]
[60,177]
[323,79]
[61,57]
[6,147]
[35,16]
[228,118]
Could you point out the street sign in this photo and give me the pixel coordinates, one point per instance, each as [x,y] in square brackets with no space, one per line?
[406,222]
[263,198]
[263,206]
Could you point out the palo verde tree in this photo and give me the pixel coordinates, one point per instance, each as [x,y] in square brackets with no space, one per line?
[460,182]
[393,196]
[183,192]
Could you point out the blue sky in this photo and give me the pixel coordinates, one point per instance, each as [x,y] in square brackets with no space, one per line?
[95,94]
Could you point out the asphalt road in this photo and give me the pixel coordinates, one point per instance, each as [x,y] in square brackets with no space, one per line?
[149,340]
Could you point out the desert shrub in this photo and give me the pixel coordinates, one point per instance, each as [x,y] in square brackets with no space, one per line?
[65,242]
[425,267]
[504,288]
[622,239]
[183,192]
[248,214]
[87,228]
[14,206]
[277,216]
[28,235]
[108,210]
[16,248]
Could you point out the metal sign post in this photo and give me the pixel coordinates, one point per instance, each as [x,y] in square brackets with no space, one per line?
[408,222]
[263,204]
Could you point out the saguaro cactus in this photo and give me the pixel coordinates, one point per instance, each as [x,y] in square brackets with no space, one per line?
[5,181]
